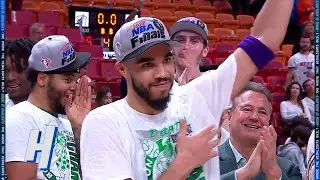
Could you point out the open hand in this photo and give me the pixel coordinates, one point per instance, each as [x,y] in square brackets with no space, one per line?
[197,149]
[252,167]
[79,106]
[269,164]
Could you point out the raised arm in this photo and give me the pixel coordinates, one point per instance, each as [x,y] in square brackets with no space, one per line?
[270,28]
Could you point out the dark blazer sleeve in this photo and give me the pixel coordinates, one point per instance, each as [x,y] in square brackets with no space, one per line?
[228,176]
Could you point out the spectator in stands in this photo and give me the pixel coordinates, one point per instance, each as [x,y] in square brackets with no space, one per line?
[311,157]
[308,87]
[293,109]
[104,96]
[294,150]
[191,35]
[53,88]
[250,153]
[305,8]
[17,85]
[36,32]
[301,65]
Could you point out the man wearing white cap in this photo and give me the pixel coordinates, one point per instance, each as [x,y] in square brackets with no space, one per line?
[33,126]
[151,134]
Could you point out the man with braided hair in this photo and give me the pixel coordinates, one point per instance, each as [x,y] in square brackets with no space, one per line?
[17,85]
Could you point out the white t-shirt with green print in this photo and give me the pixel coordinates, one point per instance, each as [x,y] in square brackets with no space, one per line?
[118,142]
[28,129]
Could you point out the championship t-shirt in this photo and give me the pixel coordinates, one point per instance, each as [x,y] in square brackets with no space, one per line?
[302,64]
[118,142]
[34,135]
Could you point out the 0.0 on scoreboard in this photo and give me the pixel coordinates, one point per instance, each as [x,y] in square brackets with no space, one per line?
[98,25]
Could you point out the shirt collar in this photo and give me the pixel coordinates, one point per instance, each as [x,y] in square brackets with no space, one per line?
[236,153]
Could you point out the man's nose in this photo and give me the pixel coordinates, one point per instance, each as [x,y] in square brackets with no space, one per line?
[161,72]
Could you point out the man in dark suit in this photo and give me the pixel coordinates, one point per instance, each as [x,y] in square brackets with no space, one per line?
[250,153]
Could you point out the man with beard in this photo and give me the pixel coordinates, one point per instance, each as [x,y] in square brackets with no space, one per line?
[301,65]
[151,134]
[33,126]
[17,85]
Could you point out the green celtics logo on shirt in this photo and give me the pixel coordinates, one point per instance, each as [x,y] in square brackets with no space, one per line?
[159,149]
[65,162]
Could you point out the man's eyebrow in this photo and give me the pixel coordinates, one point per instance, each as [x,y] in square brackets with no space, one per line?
[144,60]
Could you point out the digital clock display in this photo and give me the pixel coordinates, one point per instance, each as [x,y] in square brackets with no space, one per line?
[98,25]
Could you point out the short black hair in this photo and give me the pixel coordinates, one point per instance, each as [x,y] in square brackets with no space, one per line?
[32,76]
[20,49]
[302,133]
[256,87]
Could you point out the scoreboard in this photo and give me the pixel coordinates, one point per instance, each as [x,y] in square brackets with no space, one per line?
[98,25]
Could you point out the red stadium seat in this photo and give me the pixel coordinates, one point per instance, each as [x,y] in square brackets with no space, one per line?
[164,5]
[204,6]
[184,5]
[277,98]
[275,83]
[14,31]
[72,33]
[129,4]
[223,33]
[109,71]
[95,50]
[224,49]
[23,17]
[50,18]
[245,21]
[182,14]
[242,33]
[94,68]
[209,19]
[146,13]
[50,30]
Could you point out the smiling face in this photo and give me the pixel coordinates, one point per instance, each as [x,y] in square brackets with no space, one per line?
[150,75]
[59,88]
[17,85]
[250,113]
[295,91]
